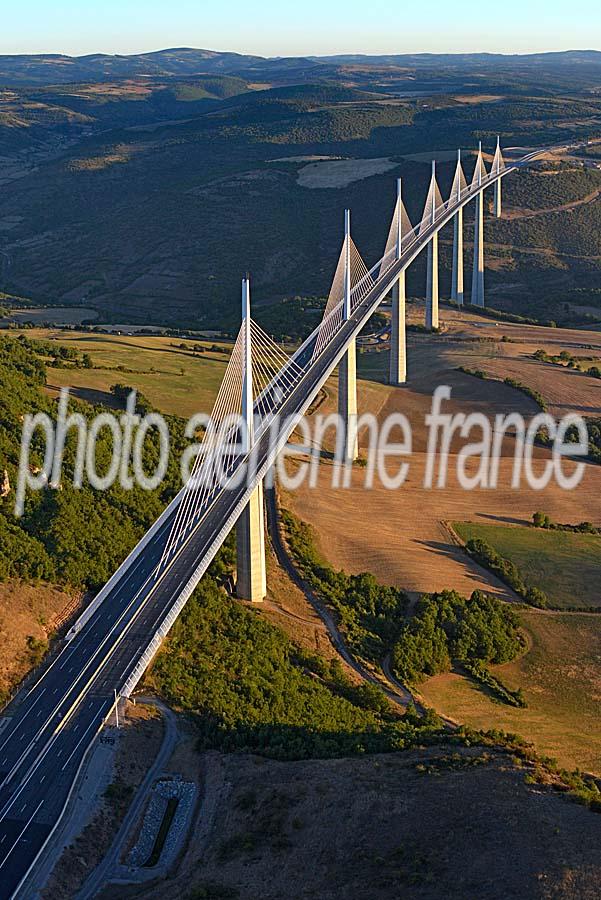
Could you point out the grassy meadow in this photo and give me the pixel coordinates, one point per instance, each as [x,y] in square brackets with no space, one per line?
[174,378]
[560,676]
[566,566]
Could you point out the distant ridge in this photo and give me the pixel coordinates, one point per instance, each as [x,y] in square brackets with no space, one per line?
[415,59]
[56,68]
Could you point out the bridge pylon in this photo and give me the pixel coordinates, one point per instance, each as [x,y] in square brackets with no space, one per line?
[432,273]
[347,367]
[497,164]
[398,341]
[457,271]
[251,579]
[477,297]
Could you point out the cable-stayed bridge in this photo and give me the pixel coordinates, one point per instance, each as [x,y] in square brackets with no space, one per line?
[52,724]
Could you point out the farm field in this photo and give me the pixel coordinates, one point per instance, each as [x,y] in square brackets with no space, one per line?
[560,676]
[410,545]
[174,379]
[566,566]
[565,390]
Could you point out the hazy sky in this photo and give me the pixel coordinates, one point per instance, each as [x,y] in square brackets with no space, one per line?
[280,28]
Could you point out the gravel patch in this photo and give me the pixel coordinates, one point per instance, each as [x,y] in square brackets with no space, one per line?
[162,792]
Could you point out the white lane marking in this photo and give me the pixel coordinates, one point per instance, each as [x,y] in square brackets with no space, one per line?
[66,762]
[17,724]
[70,648]
[26,826]
[68,657]
[83,671]
[35,767]
[71,710]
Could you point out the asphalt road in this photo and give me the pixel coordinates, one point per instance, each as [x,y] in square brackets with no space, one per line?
[55,723]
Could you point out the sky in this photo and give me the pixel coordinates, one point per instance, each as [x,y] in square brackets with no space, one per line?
[310,27]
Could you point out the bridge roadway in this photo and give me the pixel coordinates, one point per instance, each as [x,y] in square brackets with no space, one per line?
[51,727]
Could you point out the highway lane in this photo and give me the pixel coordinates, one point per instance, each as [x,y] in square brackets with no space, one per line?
[54,725]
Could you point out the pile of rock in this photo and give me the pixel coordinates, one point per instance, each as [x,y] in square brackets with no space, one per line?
[164,791]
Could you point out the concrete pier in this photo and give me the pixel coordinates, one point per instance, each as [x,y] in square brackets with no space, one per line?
[497,199]
[398,342]
[251,579]
[457,275]
[477,297]
[432,284]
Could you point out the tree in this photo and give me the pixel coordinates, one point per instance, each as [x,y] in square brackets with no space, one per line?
[541,520]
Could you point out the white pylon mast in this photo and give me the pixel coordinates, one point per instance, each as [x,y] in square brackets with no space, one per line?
[247,373]
[347,265]
[457,269]
[497,195]
[399,201]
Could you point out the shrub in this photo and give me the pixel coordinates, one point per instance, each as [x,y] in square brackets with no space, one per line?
[448,627]
[506,570]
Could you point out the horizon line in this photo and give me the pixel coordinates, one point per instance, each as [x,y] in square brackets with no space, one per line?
[309,56]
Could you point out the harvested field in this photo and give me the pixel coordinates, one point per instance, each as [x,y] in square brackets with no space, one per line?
[339,173]
[173,378]
[407,542]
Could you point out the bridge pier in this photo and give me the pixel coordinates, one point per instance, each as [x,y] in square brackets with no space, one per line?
[398,343]
[347,402]
[432,284]
[477,297]
[432,270]
[457,275]
[497,199]
[251,579]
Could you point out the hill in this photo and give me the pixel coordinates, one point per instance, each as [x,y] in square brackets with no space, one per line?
[425,825]
[54,68]
[115,170]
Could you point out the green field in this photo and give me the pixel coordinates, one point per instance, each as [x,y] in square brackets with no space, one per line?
[174,379]
[560,676]
[566,566]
